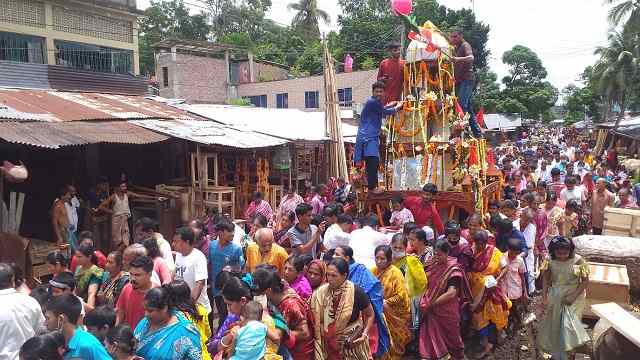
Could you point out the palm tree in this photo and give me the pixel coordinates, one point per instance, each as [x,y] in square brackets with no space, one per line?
[308,17]
[616,72]
[625,11]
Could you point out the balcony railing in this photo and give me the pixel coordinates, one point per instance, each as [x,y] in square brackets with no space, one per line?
[113,61]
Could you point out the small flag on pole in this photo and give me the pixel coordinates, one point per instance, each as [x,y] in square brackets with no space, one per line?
[480,117]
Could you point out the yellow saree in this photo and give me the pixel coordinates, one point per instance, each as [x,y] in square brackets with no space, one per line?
[414,276]
[203,328]
[397,310]
[490,311]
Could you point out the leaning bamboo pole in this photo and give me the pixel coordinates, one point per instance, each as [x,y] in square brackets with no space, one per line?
[336,157]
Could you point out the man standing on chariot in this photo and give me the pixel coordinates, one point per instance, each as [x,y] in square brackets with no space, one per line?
[391,73]
[367,147]
[465,80]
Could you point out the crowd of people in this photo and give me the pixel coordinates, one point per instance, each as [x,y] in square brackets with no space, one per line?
[308,281]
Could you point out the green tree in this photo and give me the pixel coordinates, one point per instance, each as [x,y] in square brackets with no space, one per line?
[308,17]
[525,67]
[167,19]
[229,16]
[616,71]
[525,82]
[366,26]
[624,12]
[487,91]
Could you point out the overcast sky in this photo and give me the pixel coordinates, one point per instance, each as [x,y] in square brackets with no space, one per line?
[563,33]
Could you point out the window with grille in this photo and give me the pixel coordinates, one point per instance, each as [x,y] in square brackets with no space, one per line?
[22,48]
[165,76]
[24,12]
[312,99]
[345,97]
[88,24]
[282,101]
[93,57]
[258,101]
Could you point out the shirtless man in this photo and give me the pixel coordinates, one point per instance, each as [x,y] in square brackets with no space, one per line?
[60,218]
[117,205]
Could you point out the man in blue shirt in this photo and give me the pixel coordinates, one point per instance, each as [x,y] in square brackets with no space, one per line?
[62,314]
[223,252]
[367,140]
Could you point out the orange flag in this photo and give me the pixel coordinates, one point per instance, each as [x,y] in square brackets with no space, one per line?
[480,118]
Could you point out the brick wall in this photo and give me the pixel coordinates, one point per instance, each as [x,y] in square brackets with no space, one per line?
[359,82]
[263,72]
[197,79]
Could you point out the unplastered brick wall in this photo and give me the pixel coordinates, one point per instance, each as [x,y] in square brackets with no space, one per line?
[196,79]
[359,82]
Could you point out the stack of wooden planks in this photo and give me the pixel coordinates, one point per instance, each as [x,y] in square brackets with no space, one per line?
[11,216]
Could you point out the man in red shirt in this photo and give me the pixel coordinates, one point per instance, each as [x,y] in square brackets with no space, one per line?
[130,306]
[424,208]
[391,73]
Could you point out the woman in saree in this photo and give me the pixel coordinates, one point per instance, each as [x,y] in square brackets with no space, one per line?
[236,294]
[88,276]
[294,275]
[316,273]
[415,278]
[491,312]
[441,307]
[397,305]
[113,280]
[379,339]
[165,333]
[294,309]
[195,313]
[565,279]
[343,317]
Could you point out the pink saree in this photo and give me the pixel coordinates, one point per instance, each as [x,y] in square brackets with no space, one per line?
[440,326]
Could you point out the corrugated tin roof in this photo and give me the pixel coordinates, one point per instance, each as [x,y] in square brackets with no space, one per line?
[291,124]
[70,106]
[55,135]
[210,133]
[42,76]
[7,113]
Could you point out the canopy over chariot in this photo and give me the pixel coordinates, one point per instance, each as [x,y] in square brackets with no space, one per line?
[430,139]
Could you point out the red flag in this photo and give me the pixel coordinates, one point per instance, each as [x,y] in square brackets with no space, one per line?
[459,110]
[480,118]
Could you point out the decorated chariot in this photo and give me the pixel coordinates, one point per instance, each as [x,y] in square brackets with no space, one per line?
[429,140]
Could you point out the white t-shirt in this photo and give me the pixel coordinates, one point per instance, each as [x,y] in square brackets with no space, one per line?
[576,194]
[364,242]
[193,268]
[334,237]
[20,320]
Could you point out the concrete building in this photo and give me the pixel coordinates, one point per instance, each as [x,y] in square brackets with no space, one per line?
[96,35]
[202,72]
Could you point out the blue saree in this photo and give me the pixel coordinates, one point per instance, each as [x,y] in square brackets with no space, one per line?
[361,276]
[179,341]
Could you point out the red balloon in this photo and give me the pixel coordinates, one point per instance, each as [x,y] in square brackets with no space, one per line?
[402,7]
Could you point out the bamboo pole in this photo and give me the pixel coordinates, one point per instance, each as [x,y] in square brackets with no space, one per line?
[336,157]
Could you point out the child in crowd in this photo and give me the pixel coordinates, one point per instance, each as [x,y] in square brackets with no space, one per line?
[100,320]
[400,214]
[248,340]
[510,209]
[568,223]
[565,280]
[513,283]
